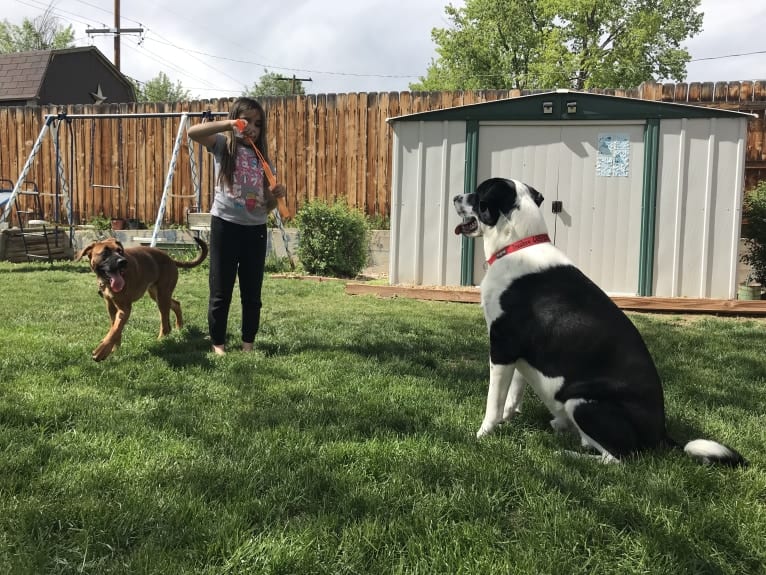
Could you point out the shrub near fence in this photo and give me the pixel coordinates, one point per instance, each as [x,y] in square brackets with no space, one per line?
[326,146]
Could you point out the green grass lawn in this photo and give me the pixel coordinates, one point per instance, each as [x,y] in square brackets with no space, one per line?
[345,444]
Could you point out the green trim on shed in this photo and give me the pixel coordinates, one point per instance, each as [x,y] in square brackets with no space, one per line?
[470,183]
[649,207]
[555,107]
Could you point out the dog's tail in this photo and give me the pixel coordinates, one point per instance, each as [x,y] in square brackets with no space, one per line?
[199,259]
[711,452]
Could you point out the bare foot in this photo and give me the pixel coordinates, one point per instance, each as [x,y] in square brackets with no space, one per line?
[247,346]
[219,350]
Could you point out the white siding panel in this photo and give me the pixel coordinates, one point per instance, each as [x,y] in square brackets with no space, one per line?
[599,228]
[671,207]
[525,152]
[699,207]
[429,169]
[725,210]
[601,222]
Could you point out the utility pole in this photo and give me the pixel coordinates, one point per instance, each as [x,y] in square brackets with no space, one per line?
[116,31]
[293,80]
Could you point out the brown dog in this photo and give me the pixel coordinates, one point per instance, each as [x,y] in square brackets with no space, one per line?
[125,274]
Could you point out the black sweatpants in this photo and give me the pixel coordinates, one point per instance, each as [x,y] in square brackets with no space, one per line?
[235,251]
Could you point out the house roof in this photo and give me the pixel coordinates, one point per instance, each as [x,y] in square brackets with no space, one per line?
[22,73]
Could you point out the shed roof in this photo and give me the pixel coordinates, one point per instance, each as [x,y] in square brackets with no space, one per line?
[569,105]
[22,73]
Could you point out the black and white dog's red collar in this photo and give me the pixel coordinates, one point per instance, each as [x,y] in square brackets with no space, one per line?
[520,245]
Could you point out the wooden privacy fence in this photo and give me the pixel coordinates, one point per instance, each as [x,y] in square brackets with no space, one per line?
[329,147]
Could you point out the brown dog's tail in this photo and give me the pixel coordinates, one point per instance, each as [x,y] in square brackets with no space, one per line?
[198,260]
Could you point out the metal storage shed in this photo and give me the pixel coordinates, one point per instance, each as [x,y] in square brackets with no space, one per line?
[645,197]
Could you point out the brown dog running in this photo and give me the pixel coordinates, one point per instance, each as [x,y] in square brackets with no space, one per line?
[125,274]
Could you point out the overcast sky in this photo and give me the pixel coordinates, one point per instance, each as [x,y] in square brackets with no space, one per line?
[216,49]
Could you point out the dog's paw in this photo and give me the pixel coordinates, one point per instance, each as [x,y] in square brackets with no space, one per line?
[485,429]
[102,351]
[560,424]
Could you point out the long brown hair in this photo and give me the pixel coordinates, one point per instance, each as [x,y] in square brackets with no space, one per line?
[228,162]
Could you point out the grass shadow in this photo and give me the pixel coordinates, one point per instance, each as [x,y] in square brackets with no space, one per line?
[192,348]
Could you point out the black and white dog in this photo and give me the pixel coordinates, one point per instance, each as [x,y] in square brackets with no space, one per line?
[553,328]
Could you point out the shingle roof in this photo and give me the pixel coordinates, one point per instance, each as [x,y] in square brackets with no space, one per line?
[22,73]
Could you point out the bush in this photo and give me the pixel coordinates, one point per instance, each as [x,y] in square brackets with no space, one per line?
[333,239]
[754,231]
[378,222]
[277,264]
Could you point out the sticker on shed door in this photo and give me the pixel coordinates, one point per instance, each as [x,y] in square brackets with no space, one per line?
[613,160]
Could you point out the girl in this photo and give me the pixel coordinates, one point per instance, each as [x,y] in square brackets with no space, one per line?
[241,205]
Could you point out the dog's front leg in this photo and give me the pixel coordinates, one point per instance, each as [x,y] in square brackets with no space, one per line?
[113,338]
[499,382]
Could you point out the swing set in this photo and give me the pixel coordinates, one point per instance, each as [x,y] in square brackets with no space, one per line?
[197,222]
[39,238]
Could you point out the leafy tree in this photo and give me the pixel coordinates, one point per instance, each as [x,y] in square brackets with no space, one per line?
[272,84]
[527,44]
[160,89]
[41,33]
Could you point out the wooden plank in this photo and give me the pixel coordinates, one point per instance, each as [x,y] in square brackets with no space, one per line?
[668,92]
[720,91]
[692,305]
[153,183]
[322,165]
[352,141]
[341,181]
[332,147]
[681,93]
[695,92]
[5,158]
[648,304]
[371,175]
[422,293]
[382,162]
[292,177]
[311,146]
[707,92]
[360,135]
[733,93]
[299,146]
[745,91]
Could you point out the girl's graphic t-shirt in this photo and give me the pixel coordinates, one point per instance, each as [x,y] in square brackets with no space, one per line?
[244,202]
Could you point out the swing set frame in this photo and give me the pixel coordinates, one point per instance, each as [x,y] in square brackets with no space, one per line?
[52,124]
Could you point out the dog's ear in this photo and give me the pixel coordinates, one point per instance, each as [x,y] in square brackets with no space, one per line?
[536,196]
[86,251]
[483,210]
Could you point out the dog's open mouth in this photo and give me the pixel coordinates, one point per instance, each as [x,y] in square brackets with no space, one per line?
[115,280]
[467,227]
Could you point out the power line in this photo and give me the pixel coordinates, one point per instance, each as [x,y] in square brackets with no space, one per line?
[160,60]
[728,56]
[276,67]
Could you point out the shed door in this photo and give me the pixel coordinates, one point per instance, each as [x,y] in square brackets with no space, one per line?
[594,172]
